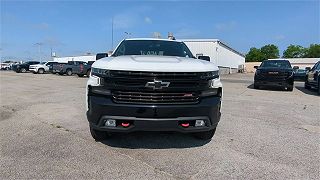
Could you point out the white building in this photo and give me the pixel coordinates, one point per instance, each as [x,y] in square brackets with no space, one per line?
[302,63]
[227,59]
[84,58]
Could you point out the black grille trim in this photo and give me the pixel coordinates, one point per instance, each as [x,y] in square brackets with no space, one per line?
[155,97]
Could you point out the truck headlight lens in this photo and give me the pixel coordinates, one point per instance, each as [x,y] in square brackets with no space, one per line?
[211,75]
[100,72]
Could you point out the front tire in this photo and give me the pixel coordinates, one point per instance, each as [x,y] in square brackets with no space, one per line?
[41,71]
[69,72]
[290,88]
[98,135]
[206,135]
[23,70]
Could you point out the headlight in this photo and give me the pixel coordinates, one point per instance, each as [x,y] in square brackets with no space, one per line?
[100,72]
[210,75]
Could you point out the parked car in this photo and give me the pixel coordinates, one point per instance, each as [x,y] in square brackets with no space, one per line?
[153,85]
[300,74]
[23,67]
[41,68]
[51,66]
[83,69]
[5,66]
[274,73]
[313,78]
[66,68]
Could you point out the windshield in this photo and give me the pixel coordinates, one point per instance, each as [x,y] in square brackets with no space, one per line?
[276,64]
[153,47]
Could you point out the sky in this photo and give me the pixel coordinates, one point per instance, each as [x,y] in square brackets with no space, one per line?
[73,28]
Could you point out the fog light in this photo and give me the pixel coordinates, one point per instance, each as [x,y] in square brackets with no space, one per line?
[110,123]
[199,123]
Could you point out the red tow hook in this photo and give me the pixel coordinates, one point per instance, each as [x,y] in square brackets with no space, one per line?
[185,125]
[125,124]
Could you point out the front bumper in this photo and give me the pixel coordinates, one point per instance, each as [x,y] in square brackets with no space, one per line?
[269,81]
[33,69]
[153,117]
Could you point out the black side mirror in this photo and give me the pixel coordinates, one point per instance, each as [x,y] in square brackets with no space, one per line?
[295,67]
[308,68]
[256,67]
[206,58]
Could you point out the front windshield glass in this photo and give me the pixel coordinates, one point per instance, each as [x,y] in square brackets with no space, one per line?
[153,48]
[276,64]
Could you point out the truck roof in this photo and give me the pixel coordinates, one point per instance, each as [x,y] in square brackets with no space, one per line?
[150,39]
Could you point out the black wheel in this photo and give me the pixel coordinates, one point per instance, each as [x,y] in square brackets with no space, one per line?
[40,71]
[69,72]
[306,85]
[88,73]
[23,70]
[290,88]
[98,135]
[80,75]
[255,86]
[206,135]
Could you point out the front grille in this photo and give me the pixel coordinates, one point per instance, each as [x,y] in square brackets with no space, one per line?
[279,75]
[155,97]
[131,87]
[136,80]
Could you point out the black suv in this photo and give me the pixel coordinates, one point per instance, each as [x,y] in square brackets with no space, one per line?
[313,78]
[275,73]
[23,67]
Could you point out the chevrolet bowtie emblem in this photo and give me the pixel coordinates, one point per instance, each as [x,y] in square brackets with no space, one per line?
[157,84]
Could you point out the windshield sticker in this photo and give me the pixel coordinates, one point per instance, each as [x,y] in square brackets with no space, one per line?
[158,53]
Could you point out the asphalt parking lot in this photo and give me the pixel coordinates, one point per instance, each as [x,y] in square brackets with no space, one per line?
[263,134]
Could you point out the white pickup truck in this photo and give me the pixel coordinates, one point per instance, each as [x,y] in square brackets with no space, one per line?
[41,68]
[153,85]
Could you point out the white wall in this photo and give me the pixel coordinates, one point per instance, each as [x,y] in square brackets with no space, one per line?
[219,54]
[75,58]
[205,48]
[228,58]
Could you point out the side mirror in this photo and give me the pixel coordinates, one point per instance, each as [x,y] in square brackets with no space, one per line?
[256,67]
[308,68]
[206,58]
[295,67]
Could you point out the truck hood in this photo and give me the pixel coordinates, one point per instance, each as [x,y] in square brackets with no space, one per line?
[155,64]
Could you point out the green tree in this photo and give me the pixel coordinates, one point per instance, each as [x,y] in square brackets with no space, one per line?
[313,51]
[294,51]
[254,55]
[270,51]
